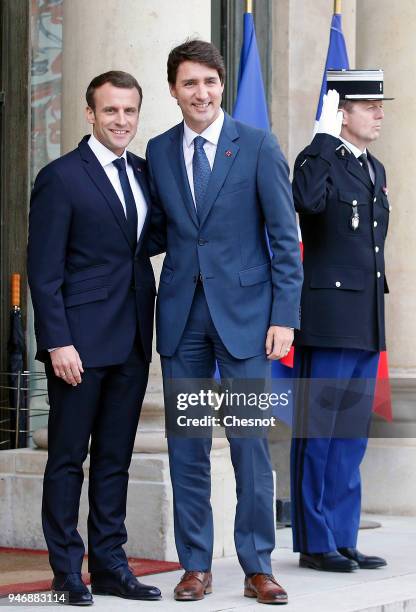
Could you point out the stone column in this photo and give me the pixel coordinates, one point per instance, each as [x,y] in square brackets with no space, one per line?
[101,35]
[385,39]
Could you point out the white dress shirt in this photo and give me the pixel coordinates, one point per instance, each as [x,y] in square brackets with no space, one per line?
[211,135]
[106,158]
[357,152]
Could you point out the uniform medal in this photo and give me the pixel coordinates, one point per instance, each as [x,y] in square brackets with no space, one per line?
[355,217]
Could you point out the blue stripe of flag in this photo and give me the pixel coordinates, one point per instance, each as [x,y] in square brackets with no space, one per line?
[337,57]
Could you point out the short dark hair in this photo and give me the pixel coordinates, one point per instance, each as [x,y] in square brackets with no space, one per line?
[118,78]
[194,50]
[347,105]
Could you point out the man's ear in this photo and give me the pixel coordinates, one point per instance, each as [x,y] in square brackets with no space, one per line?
[90,115]
[172,90]
[344,119]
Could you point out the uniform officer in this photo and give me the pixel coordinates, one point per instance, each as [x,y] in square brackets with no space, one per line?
[340,194]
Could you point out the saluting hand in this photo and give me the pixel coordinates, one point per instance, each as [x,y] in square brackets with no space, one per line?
[67,364]
[330,121]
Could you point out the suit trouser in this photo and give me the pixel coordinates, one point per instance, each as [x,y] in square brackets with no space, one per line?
[199,349]
[334,401]
[106,406]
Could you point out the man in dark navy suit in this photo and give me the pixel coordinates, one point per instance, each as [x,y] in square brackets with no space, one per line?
[93,293]
[340,193]
[218,185]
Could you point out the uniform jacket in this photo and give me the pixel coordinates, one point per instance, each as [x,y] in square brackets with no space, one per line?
[246,289]
[90,287]
[343,292]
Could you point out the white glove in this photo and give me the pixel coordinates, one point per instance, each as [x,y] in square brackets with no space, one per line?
[330,121]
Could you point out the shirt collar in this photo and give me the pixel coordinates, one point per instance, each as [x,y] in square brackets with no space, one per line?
[353,148]
[211,133]
[104,155]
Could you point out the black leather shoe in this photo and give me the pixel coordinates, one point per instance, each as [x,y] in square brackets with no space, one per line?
[76,593]
[327,562]
[121,582]
[364,561]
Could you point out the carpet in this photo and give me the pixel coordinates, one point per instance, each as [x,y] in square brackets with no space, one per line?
[27,571]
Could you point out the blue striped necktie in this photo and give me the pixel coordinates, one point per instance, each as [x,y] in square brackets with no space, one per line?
[201,173]
[131,210]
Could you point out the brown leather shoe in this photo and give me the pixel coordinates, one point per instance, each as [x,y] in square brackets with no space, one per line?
[265,588]
[193,586]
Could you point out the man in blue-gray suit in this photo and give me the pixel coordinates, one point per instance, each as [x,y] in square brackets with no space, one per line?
[93,293]
[217,184]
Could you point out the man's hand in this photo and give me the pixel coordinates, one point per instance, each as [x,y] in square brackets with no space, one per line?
[330,121]
[67,364]
[278,341]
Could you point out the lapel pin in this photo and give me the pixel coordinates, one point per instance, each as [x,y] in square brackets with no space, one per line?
[228,153]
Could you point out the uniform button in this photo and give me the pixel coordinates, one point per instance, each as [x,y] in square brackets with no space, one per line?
[354,202]
[378,274]
[375,200]
[389,208]
[376,249]
[337,284]
[375,223]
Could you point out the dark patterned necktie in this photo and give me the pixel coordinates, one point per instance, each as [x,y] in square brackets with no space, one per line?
[364,163]
[131,210]
[201,173]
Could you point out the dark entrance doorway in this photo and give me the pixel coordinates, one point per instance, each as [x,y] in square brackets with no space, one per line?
[14,161]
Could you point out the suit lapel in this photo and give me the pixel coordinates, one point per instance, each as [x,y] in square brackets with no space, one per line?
[225,156]
[353,166]
[140,173]
[177,163]
[98,176]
